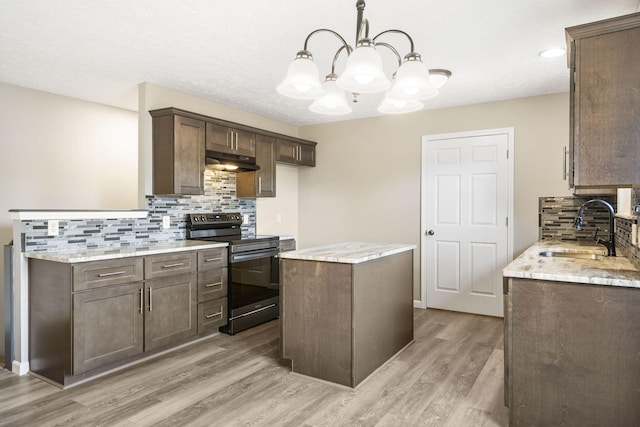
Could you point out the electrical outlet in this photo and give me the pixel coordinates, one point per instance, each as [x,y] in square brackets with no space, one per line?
[53,227]
[245,218]
[166,222]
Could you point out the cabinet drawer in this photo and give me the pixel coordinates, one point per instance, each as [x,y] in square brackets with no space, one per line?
[167,265]
[212,258]
[212,315]
[96,274]
[212,284]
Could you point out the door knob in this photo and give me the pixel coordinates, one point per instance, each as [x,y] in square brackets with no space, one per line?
[431,232]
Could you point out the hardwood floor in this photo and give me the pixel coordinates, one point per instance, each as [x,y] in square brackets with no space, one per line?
[451,376]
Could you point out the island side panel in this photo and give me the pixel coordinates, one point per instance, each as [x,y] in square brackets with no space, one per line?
[383,311]
[316,322]
[574,354]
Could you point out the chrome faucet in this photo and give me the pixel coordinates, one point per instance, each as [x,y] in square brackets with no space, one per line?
[609,244]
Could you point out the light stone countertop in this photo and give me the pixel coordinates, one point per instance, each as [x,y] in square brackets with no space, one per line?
[100,254]
[610,271]
[348,252]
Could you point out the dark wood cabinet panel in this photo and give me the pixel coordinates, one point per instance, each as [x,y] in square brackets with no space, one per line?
[178,153]
[229,140]
[171,310]
[605,102]
[340,321]
[295,152]
[261,183]
[107,326]
[573,354]
[156,266]
[212,315]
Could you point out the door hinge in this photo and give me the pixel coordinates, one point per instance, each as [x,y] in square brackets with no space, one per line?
[507,153]
[507,221]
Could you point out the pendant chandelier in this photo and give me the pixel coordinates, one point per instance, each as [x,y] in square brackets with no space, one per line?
[411,83]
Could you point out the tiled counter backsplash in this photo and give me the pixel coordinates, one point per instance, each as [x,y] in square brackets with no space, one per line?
[557,214]
[220,196]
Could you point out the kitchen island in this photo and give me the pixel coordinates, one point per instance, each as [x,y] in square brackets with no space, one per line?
[346,308]
[571,337]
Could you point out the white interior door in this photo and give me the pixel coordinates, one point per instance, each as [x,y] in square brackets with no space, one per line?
[466,208]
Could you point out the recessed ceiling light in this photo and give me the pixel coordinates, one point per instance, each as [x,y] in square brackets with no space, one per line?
[553,53]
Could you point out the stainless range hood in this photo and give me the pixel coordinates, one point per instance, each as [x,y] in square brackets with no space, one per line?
[230,162]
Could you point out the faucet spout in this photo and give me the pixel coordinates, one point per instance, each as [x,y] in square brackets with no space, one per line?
[609,244]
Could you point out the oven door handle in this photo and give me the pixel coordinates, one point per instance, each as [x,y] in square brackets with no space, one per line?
[266,253]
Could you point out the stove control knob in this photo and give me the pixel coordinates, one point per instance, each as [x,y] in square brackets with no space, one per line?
[202,218]
[196,219]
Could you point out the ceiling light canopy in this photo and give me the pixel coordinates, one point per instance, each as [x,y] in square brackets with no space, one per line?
[411,82]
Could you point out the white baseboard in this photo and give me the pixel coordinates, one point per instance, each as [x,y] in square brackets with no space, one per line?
[20,368]
[419,304]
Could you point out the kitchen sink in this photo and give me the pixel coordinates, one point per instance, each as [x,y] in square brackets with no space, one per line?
[574,255]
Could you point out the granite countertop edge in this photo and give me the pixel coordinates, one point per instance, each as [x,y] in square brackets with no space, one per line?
[101,254]
[608,271]
[348,252]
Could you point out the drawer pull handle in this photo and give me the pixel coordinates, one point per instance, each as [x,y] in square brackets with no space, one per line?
[178,264]
[150,299]
[218,314]
[115,273]
[141,300]
[213,259]
[211,285]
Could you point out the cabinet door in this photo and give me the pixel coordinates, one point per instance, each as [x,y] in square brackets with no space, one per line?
[307,155]
[229,140]
[219,138]
[266,159]
[171,310]
[245,143]
[287,151]
[606,109]
[107,326]
[178,155]
[261,183]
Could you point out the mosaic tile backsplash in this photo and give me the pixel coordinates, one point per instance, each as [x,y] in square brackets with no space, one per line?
[556,216]
[220,196]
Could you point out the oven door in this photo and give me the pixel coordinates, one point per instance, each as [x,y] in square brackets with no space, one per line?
[250,282]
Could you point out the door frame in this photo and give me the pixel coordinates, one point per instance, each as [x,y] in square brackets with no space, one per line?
[426,139]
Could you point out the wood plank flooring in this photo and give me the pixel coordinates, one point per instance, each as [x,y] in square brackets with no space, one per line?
[451,376]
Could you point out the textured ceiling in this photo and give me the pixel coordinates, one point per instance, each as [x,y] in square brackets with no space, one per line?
[236,52]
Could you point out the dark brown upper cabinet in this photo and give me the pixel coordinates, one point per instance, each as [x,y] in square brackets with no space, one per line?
[178,153]
[261,183]
[604,61]
[296,152]
[229,140]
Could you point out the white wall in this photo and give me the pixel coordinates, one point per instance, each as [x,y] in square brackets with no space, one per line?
[366,185]
[63,153]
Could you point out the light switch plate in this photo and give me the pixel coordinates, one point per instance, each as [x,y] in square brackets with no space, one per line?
[166,222]
[53,227]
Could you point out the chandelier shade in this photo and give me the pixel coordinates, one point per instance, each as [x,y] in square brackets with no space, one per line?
[411,82]
[333,102]
[364,73]
[302,80]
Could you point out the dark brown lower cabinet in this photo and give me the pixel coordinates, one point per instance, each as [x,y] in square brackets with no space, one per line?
[171,313]
[85,318]
[107,325]
[572,354]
